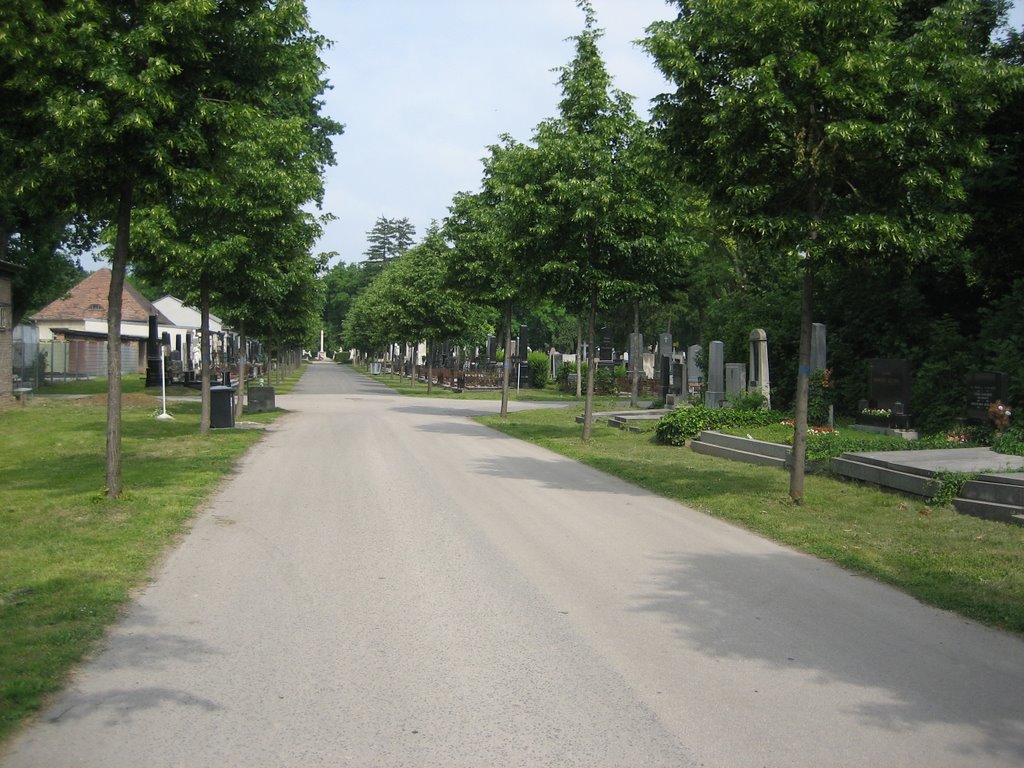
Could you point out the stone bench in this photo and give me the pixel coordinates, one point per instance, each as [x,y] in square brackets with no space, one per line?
[23,394]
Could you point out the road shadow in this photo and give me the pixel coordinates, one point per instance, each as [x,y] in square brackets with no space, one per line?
[554,473]
[783,612]
[135,645]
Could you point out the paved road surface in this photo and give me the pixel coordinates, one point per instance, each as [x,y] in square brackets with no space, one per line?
[387,583]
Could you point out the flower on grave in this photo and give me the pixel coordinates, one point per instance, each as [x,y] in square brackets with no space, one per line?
[882,413]
[1000,414]
[957,436]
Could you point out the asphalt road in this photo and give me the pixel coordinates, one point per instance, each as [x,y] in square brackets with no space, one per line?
[387,583]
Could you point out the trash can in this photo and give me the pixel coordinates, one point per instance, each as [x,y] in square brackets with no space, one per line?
[222,407]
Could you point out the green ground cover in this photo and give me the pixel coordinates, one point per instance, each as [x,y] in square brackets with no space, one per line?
[952,561]
[403,386]
[69,557]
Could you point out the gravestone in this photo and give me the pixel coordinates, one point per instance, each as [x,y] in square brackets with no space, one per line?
[889,387]
[492,348]
[636,353]
[663,363]
[522,349]
[715,393]
[735,380]
[555,360]
[605,351]
[259,399]
[694,373]
[983,389]
[819,350]
[760,380]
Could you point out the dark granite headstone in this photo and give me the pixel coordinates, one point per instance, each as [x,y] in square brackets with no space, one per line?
[889,387]
[260,399]
[984,388]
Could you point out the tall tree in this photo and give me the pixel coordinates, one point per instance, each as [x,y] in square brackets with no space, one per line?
[388,240]
[233,232]
[606,217]
[826,131]
[119,87]
[494,257]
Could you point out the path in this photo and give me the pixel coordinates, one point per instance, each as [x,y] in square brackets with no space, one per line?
[387,583]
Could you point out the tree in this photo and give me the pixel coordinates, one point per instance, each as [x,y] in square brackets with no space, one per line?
[607,219]
[233,232]
[342,284]
[412,301]
[120,88]
[826,131]
[494,256]
[388,240]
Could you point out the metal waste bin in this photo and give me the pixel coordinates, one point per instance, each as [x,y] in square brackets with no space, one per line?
[222,407]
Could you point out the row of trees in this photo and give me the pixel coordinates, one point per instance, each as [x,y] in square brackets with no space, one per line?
[187,135]
[807,149]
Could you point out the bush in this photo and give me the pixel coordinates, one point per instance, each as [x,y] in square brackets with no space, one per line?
[686,423]
[1009,440]
[748,401]
[604,381]
[539,365]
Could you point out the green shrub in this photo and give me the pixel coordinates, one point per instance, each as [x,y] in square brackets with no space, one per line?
[686,423]
[1009,440]
[539,365]
[748,401]
[604,381]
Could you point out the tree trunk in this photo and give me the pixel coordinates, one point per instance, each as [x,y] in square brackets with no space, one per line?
[588,407]
[796,471]
[579,358]
[507,363]
[242,351]
[114,295]
[204,354]
[634,384]
[430,366]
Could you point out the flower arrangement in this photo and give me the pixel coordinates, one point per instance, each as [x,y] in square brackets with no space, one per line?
[1000,414]
[882,413]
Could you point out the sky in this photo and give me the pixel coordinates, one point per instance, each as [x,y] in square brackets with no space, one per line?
[424,87]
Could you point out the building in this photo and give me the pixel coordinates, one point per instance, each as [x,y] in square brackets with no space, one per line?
[73,329]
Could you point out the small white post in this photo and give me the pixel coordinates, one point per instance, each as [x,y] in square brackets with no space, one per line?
[164,415]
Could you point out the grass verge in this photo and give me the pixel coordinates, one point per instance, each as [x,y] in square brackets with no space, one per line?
[402,386]
[945,559]
[69,557]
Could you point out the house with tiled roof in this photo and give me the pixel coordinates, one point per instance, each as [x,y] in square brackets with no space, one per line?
[81,316]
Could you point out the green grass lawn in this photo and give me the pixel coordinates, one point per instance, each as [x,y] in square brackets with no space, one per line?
[952,561]
[69,557]
[403,386]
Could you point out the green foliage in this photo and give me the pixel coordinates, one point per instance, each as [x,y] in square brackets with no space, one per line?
[950,484]
[748,401]
[686,423]
[540,365]
[1009,440]
[565,370]
[819,398]
[604,378]
[388,240]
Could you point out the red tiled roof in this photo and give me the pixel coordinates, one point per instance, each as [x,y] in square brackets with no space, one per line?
[88,301]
